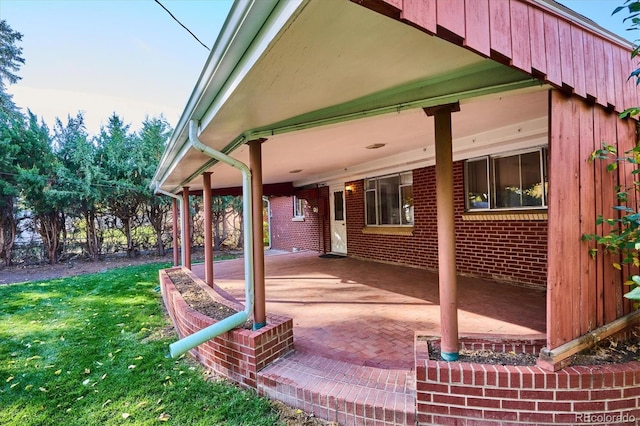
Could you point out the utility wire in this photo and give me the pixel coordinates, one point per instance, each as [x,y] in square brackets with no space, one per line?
[181,24]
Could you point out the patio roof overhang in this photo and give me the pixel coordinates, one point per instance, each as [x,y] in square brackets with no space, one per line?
[322,80]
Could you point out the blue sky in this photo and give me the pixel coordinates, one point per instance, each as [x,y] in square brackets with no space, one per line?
[132,58]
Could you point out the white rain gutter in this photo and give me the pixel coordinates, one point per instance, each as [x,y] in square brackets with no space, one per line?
[158,190]
[183,345]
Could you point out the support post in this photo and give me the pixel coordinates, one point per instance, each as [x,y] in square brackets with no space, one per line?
[208,234]
[186,225]
[174,222]
[255,163]
[447,280]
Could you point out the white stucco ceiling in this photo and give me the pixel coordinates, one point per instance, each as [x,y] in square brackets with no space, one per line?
[336,58]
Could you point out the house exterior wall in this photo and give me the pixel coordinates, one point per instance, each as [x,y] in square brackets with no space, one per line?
[292,234]
[503,248]
[584,293]
[530,37]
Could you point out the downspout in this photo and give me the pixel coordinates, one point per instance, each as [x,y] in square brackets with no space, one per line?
[158,190]
[185,344]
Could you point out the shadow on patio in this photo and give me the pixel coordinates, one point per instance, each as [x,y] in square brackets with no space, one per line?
[366,313]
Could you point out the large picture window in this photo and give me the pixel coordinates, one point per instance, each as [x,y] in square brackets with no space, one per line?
[508,181]
[389,200]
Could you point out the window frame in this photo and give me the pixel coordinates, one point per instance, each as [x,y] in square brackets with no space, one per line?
[376,197]
[298,208]
[543,152]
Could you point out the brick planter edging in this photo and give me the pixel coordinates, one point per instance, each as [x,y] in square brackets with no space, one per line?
[237,354]
[459,392]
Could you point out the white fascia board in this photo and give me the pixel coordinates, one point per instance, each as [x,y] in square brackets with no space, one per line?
[515,137]
[241,36]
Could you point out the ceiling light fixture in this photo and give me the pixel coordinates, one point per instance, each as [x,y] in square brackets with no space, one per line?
[295,171]
[375,146]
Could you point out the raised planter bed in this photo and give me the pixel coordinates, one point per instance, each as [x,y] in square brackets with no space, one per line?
[237,354]
[484,394]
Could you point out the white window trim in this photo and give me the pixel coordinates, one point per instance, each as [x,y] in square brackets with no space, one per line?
[298,207]
[491,180]
[377,201]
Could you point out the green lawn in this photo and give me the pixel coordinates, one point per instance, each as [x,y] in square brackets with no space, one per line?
[90,350]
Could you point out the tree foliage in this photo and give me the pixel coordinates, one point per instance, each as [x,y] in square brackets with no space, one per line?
[153,137]
[81,177]
[10,62]
[10,151]
[41,188]
[79,193]
[624,238]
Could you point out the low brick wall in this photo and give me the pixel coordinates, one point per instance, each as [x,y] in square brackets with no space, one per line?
[451,393]
[237,354]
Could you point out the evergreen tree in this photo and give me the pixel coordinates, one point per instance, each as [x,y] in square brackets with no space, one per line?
[10,122]
[81,177]
[153,136]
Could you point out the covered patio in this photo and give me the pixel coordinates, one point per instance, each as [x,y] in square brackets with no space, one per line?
[366,313]
[446,135]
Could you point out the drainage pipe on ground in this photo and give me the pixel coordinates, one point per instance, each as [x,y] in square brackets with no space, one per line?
[187,343]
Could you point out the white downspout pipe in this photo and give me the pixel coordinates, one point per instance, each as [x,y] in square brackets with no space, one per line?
[183,252]
[183,345]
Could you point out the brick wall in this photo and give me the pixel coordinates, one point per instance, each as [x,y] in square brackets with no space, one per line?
[237,354]
[309,234]
[483,394]
[511,250]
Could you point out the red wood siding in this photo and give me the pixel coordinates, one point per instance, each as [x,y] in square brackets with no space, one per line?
[531,38]
[583,293]
[512,250]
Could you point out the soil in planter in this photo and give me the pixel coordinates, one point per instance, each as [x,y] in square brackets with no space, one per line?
[609,351]
[200,300]
[485,356]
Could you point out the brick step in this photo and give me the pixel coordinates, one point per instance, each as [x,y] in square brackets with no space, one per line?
[339,391]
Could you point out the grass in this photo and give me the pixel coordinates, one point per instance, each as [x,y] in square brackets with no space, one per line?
[90,350]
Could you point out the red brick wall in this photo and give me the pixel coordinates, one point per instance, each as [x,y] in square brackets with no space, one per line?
[237,354]
[514,250]
[287,234]
[484,394]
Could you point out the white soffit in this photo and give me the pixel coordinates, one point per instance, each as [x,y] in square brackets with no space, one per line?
[332,52]
[489,125]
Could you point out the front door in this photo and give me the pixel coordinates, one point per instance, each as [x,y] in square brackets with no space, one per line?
[338,219]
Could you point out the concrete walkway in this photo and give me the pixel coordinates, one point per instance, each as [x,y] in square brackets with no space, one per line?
[354,326]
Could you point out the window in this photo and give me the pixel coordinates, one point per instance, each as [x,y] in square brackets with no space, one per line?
[338,205]
[389,200]
[298,207]
[508,181]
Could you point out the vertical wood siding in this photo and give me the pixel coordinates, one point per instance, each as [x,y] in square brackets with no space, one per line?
[584,293]
[533,39]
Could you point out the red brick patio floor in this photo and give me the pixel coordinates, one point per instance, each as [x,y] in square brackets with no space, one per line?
[366,313]
[354,325]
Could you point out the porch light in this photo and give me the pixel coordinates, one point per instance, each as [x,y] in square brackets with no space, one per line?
[375,146]
[348,188]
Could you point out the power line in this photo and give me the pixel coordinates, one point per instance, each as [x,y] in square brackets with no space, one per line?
[181,24]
